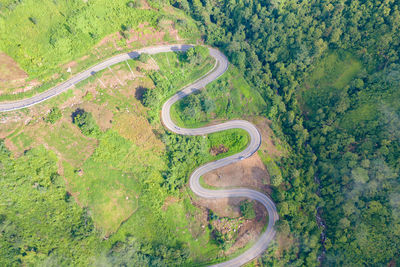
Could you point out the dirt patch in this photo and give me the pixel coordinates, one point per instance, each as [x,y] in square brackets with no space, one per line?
[144,5]
[168,201]
[218,150]
[102,115]
[223,207]
[250,172]
[9,69]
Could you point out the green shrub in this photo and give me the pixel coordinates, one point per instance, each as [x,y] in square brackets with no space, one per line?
[197,54]
[53,116]
[133,4]
[86,123]
[144,57]
[247,209]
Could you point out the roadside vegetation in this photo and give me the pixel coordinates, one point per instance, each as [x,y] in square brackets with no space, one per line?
[174,71]
[247,209]
[228,97]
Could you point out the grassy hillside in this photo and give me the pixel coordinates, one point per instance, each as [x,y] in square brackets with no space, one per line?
[120,178]
[47,37]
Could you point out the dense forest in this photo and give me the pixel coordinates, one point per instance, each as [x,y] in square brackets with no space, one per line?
[342,123]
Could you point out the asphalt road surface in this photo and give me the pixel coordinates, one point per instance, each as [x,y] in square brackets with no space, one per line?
[220,67]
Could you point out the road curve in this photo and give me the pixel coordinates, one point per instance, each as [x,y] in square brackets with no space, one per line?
[255,141]
[194,182]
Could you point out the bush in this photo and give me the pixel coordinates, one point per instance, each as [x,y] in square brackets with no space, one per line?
[247,209]
[197,54]
[144,57]
[54,115]
[86,123]
[133,4]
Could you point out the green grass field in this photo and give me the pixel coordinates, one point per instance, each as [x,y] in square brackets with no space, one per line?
[331,75]
[235,140]
[335,70]
[72,29]
[226,98]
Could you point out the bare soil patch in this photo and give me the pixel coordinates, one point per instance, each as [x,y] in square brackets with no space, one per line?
[218,150]
[269,144]
[102,115]
[9,69]
[250,172]
[223,207]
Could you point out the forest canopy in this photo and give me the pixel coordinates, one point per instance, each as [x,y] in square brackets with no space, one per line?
[328,71]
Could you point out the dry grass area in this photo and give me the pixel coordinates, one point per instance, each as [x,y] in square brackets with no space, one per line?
[9,69]
[250,172]
[102,115]
[12,77]
[270,144]
[136,128]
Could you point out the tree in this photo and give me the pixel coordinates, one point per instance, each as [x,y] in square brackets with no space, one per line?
[247,209]
[86,123]
[195,55]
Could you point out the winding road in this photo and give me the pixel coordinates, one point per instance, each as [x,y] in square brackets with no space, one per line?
[220,67]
